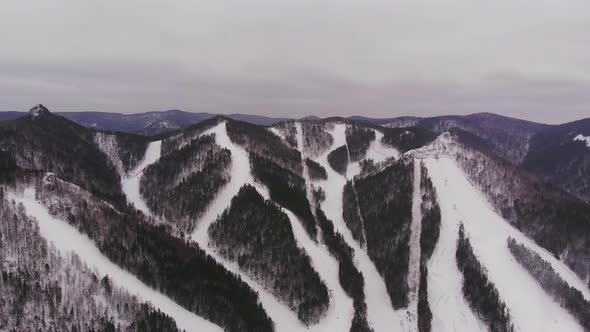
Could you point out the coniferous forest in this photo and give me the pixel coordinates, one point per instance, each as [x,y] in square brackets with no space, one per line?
[256,234]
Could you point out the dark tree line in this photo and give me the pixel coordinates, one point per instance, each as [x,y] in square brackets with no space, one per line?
[478,290]
[8,167]
[173,266]
[256,234]
[315,170]
[131,149]
[351,279]
[431,220]
[385,201]
[338,159]
[316,140]
[286,188]
[358,140]
[350,213]
[192,176]
[406,139]
[568,297]
[265,144]
[44,291]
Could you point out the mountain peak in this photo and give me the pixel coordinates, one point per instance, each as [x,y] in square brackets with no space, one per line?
[38,110]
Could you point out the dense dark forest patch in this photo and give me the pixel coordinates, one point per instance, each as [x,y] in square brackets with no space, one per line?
[351,279]
[44,291]
[556,220]
[286,188]
[51,143]
[131,149]
[385,201]
[256,139]
[406,139]
[315,170]
[350,213]
[478,290]
[173,266]
[316,140]
[192,176]
[431,220]
[358,140]
[568,297]
[256,234]
[338,159]
[8,167]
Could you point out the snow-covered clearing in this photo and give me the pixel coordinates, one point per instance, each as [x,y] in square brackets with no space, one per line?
[67,238]
[339,315]
[380,313]
[530,307]
[130,184]
[380,152]
[415,250]
[583,138]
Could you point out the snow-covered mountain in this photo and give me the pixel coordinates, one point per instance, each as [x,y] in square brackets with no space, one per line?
[312,225]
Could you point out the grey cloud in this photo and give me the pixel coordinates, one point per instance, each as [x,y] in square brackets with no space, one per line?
[379,58]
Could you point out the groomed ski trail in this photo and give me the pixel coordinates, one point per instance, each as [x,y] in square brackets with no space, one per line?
[130,183]
[380,313]
[67,238]
[337,318]
[380,152]
[531,309]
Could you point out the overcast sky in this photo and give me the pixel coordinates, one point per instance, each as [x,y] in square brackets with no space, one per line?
[380,58]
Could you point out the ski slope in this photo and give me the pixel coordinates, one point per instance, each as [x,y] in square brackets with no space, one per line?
[67,238]
[380,313]
[380,152]
[282,316]
[415,250]
[130,184]
[530,307]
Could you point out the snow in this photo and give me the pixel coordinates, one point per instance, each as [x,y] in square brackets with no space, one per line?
[284,319]
[380,152]
[583,138]
[415,250]
[380,314]
[530,307]
[67,238]
[130,184]
[277,132]
[339,315]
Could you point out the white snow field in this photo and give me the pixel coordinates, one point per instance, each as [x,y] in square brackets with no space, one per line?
[530,307]
[67,238]
[339,315]
[130,183]
[380,314]
[583,138]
